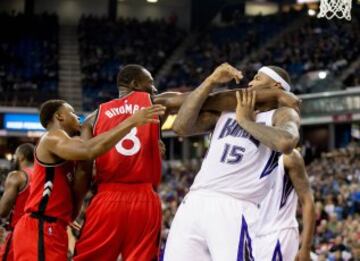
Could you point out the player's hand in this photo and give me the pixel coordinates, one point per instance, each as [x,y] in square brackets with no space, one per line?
[303,255]
[148,115]
[289,99]
[225,73]
[245,109]
[75,225]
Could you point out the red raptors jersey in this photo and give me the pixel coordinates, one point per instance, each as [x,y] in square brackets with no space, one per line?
[50,192]
[136,158]
[18,209]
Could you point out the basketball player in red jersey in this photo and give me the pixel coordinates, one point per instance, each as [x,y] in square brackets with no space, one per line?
[16,192]
[41,233]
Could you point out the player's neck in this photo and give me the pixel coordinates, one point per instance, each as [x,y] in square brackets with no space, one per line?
[24,165]
[123,91]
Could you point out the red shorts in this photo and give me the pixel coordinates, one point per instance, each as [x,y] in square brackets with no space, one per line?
[121,219]
[6,250]
[35,239]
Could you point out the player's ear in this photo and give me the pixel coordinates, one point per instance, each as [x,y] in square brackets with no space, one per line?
[133,84]
[59,116]
[278,85]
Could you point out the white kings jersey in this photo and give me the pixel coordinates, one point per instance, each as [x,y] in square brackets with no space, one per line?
[278,210]
[236,163]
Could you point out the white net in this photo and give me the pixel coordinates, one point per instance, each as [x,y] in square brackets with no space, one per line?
[335,8]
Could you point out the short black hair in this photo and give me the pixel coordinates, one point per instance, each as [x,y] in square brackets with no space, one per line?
[129,73]
[48,109]
[27,149]
[283,73]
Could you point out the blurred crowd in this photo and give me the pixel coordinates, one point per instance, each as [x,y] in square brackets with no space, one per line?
[230,42]
[335,179]
[106,45]
[28,58]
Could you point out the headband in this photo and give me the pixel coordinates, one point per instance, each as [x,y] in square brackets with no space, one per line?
[275,76]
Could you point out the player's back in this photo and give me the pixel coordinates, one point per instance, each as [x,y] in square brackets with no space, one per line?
[278,210]
[136,158]
[50,190]
[19,206]
[237,164]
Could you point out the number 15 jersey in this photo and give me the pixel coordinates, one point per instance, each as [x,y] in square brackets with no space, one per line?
[135,158]
[236,163]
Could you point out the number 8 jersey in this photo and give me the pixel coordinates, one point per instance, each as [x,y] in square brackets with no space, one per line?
[136,158]
[236,163]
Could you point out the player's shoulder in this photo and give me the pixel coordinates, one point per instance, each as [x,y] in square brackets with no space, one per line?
[16,178]
[286,112]
[293,159]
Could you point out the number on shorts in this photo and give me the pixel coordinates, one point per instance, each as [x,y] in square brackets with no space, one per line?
[136,144]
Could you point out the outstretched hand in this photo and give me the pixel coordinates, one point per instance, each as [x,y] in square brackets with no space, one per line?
[147,115]
[245,109]
[225,73]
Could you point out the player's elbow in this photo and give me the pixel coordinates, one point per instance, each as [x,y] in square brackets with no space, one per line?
[307,202]
[179,129]
[287,144]
[4,212]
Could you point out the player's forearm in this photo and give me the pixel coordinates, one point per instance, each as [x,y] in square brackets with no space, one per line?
[308,216]
[105,141]
[226,100]
[273,137]
[81,184]
[189,111]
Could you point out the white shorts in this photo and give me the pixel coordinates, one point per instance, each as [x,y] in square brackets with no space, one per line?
[281,245]
[211,226]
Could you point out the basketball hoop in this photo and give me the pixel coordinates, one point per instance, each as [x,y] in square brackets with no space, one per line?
[335,8]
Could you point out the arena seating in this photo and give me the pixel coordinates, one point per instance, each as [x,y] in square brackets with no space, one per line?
[318,44]
[106,45]
[226,43]
[28,59]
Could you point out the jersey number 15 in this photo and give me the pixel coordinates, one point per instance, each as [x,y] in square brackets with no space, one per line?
[232,154]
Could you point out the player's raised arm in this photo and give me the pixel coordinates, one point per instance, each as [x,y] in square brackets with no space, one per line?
[295,165]
[13,184]
[65,147]
[187,120]
[282,137]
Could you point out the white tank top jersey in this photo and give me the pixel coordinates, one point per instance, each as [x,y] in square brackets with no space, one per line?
[278,210]
[237,164]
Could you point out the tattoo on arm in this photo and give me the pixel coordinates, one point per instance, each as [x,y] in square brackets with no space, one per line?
[283,136]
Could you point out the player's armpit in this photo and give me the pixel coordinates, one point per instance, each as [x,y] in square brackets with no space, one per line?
[13,184]
[206,122]
[295,165]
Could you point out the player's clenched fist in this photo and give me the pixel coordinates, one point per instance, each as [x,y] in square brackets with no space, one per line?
[225,73]
[147,115]
[245,109]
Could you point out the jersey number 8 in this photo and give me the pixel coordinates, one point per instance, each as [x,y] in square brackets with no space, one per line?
[136,145]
